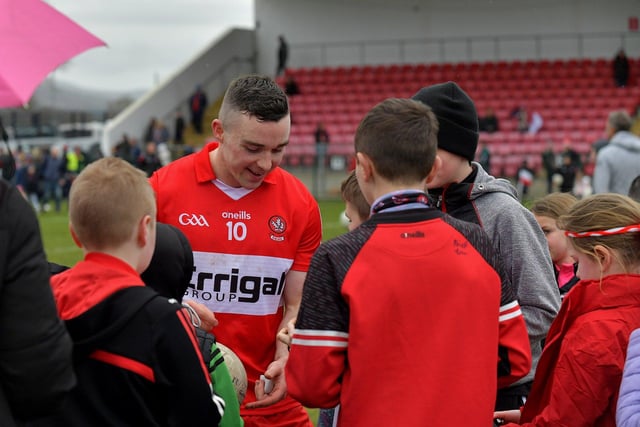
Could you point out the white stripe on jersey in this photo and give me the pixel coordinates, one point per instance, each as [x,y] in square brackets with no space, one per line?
[508,316]
[318,343]
[319,333]
[319,338]
[238,284]
[508,306]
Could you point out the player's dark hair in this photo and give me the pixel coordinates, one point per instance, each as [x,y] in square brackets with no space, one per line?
[256,95]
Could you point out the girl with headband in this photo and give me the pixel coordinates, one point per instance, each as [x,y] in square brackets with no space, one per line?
[580,370]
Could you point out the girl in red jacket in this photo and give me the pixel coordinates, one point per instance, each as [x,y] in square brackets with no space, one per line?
[580,369]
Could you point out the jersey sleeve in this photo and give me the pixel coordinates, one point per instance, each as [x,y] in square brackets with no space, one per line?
[181,371]
[319,344]
[310,239]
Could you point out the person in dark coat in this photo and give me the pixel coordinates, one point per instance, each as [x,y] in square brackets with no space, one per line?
[621,69]
[36,370]
[283,55]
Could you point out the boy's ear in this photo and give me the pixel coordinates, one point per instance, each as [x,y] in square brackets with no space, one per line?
[366,166]
[143,231]
[437,164]
[74,236]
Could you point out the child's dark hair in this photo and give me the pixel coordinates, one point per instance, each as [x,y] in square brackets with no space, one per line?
[351,193]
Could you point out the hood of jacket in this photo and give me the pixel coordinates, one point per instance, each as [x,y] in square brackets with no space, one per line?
[88,295]
[626,140]
[91,281]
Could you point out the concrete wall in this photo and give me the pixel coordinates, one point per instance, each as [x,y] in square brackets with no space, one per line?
[356,32]
[213,68]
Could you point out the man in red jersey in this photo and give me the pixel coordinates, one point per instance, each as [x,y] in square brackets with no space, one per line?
[253,227]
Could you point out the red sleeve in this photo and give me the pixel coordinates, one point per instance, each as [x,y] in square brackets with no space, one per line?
[310,239]
[514,351]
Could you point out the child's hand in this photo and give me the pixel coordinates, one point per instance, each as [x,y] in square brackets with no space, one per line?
[208,320]
[285,334]
[512,416]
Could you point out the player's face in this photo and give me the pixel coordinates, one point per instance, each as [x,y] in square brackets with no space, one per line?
[250,149]
[557,241]
[351,213]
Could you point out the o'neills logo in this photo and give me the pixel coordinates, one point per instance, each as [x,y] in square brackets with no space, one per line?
[236,215]
[278,226]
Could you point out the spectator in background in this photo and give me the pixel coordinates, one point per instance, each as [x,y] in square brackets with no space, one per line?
[621,69]
[484,157]
[52,178]
[567,171]
[576,161]
[149,161]
[148,133]
[197,106]
[283,55]
[160,134]
[618,163]
[634,189]
[524,179]
[536,123]
[489,123]
[322,142]
[178,128]
[522,118]
[36,369]
[127,149]
[549,163]
[291,87]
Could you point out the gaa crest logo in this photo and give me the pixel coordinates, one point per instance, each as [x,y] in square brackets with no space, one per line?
[278,226]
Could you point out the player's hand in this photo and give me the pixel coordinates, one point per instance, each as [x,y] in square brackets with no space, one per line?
[285,334]
[208,320]
[512,416]
[275,372]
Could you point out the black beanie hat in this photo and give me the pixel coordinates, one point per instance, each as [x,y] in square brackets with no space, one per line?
[456,115]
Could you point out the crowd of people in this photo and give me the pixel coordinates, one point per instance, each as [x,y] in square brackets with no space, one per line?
[447,303]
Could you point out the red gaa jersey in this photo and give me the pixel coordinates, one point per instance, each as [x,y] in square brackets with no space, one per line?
[242,250]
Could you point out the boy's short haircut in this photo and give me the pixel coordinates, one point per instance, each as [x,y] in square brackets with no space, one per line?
[106,202]
[258,96]
[351,193]
[400,138]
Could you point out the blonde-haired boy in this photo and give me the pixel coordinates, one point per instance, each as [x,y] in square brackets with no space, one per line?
[135,352]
